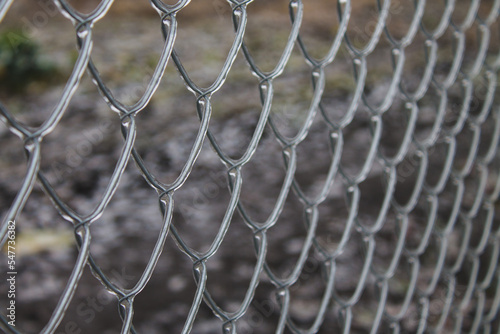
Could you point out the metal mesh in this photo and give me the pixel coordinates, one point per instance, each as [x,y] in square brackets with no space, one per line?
[425,240]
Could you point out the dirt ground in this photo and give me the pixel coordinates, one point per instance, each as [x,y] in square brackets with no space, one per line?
[79,156]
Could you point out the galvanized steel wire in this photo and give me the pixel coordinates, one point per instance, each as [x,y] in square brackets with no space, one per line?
[485,66]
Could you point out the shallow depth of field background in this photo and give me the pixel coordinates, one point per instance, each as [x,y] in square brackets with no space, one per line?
[79,157]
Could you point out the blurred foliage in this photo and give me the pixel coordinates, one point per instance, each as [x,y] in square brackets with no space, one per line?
[22,64]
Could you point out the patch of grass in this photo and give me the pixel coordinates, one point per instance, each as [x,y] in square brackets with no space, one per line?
[21,63]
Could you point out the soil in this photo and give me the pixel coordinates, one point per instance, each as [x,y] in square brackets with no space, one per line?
[79,156]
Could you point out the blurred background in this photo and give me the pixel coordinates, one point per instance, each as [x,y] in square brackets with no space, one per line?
[37,54]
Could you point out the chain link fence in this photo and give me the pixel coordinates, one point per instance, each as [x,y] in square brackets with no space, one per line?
[267,167]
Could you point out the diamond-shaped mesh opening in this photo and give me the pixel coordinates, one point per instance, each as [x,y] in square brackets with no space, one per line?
[286,166]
